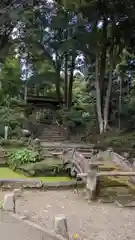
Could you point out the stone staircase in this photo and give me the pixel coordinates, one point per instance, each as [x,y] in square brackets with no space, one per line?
[54,147]
[53,133]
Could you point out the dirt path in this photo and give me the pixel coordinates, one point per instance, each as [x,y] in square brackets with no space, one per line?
[90,221]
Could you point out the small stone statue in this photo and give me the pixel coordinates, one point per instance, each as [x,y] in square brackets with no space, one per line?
[37,148]
[37,144]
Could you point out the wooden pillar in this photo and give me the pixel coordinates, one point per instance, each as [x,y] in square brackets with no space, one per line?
[92,183]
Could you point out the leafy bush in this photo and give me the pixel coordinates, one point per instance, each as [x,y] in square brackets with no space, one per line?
[10,117]
[81,116]
[69,118]
[21,156]
[75,118]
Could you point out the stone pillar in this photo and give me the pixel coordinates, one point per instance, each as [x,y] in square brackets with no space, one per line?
[60,226]
[37,144]
[9,202]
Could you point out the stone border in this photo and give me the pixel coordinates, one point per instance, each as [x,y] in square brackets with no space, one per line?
[38,227]
[25,183]
[37,184]
[62,185]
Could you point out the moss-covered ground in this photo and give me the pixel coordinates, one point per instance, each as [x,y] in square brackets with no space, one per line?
[8,173]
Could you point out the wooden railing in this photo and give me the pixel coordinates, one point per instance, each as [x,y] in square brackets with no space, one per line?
[64,131]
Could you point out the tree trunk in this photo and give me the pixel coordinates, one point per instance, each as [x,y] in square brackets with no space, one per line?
[102,71]
[0,85]
[108,91]
[25,93]
[57,83]
[100,75]
[66,80]
[120,102]
[102,66]
[98,96]
[71,79]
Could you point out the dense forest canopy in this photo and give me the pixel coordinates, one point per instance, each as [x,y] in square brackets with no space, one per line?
[80,51]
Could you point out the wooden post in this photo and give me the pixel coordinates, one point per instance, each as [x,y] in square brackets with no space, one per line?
[92,183]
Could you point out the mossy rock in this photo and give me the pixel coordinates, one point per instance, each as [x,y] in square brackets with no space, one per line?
[111,182]
[48,167]
[118,195]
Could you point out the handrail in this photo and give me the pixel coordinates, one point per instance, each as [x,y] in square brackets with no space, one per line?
[63,128]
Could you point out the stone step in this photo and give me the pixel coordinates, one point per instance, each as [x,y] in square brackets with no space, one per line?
[83,149]
[66,145]
[56,135]
[60,140]
[52,134]
[52,137]
[58,149]
[51,140]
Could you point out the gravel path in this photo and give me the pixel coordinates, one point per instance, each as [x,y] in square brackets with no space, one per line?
[90,221]
[13,229]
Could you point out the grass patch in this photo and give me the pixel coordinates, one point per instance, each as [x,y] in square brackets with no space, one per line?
[8,173]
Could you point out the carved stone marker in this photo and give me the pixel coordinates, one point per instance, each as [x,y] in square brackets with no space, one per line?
[60,226]
[37,143]
[9,202]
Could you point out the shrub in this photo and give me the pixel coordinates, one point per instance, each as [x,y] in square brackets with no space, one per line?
[75,117]
[13,143]
[18,157]
[11,118]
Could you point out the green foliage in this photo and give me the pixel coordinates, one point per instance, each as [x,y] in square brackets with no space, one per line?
[10,76]
[75,119]
[82,113]
[119,142]
[13,143]
[50,43]
[18,157]
[11,117]
[127,113]
[69,118]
